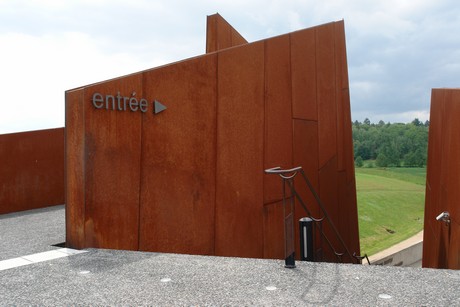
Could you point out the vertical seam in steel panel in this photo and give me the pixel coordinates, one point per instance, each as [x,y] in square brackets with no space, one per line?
[264,143]
[83,152]
[291,102]
[338,207]
[261,217]
[140,169]
[317,110]
[337,100]
[216,148]
[65,165]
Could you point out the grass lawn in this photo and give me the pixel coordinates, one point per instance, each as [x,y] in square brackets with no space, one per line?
[391,203]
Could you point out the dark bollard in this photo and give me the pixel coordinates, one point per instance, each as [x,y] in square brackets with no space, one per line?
[306,239]
[289,262]
[289,253]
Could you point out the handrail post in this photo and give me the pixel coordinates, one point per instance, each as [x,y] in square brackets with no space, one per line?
[288,229]
[288,217]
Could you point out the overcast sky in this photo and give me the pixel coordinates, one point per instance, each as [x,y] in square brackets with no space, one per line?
[398,50]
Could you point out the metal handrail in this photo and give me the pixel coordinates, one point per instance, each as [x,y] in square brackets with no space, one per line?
[326,215]
[287,175]
[317,223]
[281,172]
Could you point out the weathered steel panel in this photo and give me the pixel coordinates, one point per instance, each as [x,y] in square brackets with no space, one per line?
[32,171]
[75,168]
[221,35]
[179,159]
[304,74]
[112,165]
[274,230]
[326,97]
[345,153]
[432,228]
[346,220]
[440,246]
[329,192]
[345,158]
[450,175]
[306,155]
[240,167]
[352,228]
[451,154]
[341,66]
[278,113]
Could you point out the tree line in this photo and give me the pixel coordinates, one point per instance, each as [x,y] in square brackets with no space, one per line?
[390,144]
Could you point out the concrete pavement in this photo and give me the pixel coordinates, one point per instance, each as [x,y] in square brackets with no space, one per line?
[108,277]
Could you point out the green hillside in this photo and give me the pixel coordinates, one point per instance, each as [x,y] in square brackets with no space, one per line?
[391,203]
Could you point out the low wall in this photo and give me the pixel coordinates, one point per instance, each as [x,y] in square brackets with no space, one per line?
[32,170]
[407,253]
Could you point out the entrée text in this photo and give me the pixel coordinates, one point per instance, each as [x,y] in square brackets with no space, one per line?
[120,103]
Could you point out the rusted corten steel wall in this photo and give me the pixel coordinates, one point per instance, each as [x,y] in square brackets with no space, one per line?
[32,171]
[191,178]
[441,241]
[221,35]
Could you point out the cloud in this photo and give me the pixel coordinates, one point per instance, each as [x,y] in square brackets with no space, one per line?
[42,57]
[416,49]
[423,116]
[42,68]
[397,49]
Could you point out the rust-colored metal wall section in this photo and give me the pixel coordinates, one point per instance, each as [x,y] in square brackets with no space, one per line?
[32,171]
[191,178]
[441,239]
[221,35]
[178,159]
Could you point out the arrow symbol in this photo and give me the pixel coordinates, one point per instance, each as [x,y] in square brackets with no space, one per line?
[158,107]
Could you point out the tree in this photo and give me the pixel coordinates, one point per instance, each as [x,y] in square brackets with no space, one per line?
[396,143]
[359,161]
[416,122]
[415,159]
[382,160]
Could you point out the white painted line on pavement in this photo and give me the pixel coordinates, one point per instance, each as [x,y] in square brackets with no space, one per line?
[38,257]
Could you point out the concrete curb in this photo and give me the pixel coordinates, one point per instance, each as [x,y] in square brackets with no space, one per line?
[407,253]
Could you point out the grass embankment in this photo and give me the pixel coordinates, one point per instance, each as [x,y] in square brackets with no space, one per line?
[391,203]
